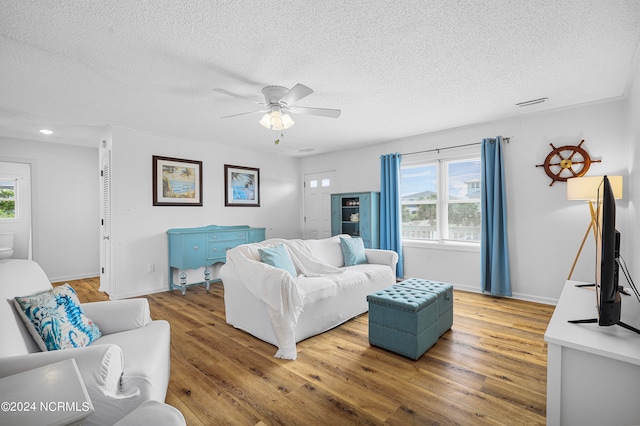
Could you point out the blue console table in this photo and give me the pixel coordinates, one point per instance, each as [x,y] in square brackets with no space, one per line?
[194,248]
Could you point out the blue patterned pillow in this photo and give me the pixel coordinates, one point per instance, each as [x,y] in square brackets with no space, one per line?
[57,318]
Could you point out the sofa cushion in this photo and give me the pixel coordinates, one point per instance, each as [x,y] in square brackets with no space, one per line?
[333,285]
[278,257]
[56,320]
[328,250]
[353,251]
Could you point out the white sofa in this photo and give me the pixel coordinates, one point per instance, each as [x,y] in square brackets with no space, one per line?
[280,309]
[125,367]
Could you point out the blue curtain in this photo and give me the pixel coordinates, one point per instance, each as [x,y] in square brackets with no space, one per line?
[390,216]
[494,244]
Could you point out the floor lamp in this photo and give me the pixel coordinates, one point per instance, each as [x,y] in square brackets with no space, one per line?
[587,188]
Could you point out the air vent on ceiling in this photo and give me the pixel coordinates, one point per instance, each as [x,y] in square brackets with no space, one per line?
[532,102]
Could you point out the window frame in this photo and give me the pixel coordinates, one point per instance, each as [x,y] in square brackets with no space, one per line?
[441,160]
[15,199]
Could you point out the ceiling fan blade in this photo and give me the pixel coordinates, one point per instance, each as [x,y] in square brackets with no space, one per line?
[324,112]
[235,95]
[296,93]
[243,113]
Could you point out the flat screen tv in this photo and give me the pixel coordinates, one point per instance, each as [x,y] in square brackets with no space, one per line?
[609,302]
[607,251]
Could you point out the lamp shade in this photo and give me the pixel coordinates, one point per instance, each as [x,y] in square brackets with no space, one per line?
[586,187]
[287,121]
[264,121]
[276,120]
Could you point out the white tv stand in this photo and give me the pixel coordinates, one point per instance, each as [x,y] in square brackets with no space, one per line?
[593,372]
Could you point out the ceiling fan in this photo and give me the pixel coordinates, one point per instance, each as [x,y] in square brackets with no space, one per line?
[278,103]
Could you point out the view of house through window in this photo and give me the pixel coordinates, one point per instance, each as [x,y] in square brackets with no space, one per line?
[440,200]
[8,196]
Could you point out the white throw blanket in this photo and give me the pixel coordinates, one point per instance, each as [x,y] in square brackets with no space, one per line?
[277,288]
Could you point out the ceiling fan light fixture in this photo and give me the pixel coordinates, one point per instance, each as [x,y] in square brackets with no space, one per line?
[287,121]
[265,121]
[275,120]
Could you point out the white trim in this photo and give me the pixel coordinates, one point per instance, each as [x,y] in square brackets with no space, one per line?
[64,279]
[517,296]
[441,245]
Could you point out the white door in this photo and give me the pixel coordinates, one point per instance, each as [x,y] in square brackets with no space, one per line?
[105,219]
[318,188]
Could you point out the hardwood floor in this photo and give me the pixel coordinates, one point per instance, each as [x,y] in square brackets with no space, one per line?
[490,368]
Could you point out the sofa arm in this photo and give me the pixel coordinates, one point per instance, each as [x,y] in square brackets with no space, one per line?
[101,369]
[382,257]
[100,366]
[114,316]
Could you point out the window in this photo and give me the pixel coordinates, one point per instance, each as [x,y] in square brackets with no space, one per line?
[326,183]
[440,199]
[8,198]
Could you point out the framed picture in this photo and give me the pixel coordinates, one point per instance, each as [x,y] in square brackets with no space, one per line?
[242,186]
[176,182]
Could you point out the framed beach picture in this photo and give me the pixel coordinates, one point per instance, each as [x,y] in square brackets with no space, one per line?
[176,182]
[242,186]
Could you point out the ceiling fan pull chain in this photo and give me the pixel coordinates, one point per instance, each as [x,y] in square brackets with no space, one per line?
[277,141]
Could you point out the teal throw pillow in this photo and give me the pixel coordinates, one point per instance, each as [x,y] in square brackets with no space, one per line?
[278,256]
[57,318]
[353,251]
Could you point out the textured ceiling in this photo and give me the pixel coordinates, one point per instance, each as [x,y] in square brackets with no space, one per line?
[394,68]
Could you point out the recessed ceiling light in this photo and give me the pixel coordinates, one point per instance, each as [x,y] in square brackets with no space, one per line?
[46,132]
[532,102]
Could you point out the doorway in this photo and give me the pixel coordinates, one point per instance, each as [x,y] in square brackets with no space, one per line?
[15,184]
[318,188]
[105,220]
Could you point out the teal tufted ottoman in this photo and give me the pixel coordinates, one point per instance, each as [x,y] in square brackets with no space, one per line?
[403,320]
[445,299]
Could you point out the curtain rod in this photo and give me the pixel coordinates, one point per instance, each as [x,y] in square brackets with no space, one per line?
[507,139]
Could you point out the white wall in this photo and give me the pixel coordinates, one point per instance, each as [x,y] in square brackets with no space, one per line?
[545,229]
[64,205]
[139,229]
[633,138]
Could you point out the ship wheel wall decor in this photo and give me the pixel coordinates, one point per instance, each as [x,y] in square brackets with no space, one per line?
[567,162]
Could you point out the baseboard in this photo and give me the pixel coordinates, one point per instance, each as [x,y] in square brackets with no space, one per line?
[518,296]
[73,277]
[139,293]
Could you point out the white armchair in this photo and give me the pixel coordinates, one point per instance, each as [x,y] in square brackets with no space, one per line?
[125,367]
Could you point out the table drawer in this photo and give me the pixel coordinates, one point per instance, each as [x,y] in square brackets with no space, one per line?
[227,236]
[220,248]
